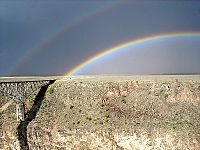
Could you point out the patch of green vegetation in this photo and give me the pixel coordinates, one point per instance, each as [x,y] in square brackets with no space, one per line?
[51,90]
[161,93]
[105,113]
[101,122]
[89,118]
[48,114]
[107,116]
[156,94]
[102,105]
[123,99]
[71,107]
[174,125]
[166,96]
[185,122]
[176,92]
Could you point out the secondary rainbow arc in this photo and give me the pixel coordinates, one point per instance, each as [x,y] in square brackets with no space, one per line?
[53,35]
[122,46]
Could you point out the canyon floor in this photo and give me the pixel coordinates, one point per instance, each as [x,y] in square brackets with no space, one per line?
[106,113]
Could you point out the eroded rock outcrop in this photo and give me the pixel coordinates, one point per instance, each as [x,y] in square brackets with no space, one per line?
[113,114]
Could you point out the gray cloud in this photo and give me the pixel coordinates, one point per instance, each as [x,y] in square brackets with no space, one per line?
[24,25]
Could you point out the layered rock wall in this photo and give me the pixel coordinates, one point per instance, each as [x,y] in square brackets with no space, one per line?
[110,113]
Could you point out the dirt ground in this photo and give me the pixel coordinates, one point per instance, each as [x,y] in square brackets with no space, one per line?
[108,112]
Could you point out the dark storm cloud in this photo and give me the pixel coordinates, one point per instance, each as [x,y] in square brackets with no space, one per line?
[25,24]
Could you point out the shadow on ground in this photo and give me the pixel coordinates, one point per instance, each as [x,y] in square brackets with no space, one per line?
[30,115]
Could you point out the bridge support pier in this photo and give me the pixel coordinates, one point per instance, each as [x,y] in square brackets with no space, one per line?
[20,111]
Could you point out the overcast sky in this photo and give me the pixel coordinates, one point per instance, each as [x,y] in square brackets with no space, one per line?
[52,37]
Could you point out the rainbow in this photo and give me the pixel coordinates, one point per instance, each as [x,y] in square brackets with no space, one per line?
[123,46]
[59,31]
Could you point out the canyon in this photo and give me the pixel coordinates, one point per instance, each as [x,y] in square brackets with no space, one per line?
[102,112]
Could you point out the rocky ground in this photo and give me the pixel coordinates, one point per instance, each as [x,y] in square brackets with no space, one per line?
[108,113]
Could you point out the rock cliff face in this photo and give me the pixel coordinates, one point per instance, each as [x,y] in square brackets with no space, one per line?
[108,113]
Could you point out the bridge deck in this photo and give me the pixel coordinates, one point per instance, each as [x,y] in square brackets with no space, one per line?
[28,78]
